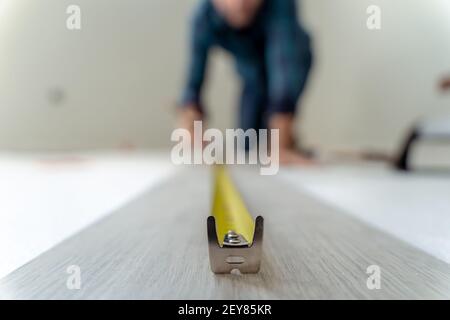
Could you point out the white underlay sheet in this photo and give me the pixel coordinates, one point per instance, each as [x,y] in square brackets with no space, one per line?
[45,199]
[414,207]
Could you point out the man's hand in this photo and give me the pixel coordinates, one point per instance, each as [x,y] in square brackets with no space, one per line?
[288,154]
[293,157]
[444,84]
[186,118]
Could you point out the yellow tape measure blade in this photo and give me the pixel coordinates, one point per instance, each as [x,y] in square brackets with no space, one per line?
[234,223]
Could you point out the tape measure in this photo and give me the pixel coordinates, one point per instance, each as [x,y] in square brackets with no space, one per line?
[235,239]
[235,225]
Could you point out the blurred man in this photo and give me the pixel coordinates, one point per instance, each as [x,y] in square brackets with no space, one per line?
[273,58]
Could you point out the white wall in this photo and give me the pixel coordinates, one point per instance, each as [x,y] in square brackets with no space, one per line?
[370,86]
[121,74]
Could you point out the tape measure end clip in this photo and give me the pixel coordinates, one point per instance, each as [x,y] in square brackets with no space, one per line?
[242,256]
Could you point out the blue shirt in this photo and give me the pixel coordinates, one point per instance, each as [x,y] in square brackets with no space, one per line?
[274,47]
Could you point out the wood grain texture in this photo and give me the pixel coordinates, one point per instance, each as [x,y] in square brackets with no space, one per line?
[155,247]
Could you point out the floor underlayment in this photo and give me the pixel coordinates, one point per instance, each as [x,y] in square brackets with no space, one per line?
[48,197]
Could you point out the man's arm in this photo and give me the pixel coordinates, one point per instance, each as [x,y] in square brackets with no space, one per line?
[288,58]
[199,42]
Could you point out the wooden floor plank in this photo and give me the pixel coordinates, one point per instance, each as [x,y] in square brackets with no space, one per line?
[155,247]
